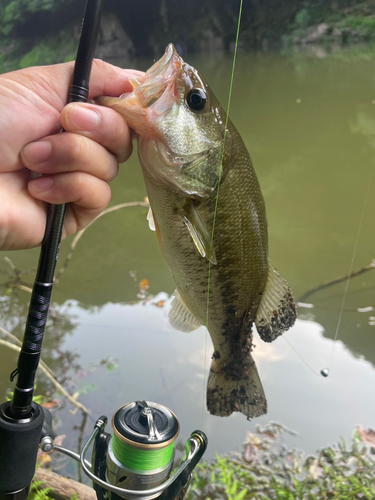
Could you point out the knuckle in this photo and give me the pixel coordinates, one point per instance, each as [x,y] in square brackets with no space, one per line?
[80,150]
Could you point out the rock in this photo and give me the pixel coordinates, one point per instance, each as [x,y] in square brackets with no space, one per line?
[316,33]
[336,33]
[114,45]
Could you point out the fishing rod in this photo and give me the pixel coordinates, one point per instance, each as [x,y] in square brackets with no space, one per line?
[21,420]
[137,461]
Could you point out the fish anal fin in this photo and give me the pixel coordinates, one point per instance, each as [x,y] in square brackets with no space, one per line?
[277,310]
[180,317]
[199,234]
[226,394]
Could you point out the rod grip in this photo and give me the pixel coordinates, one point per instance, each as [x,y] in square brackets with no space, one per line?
[19,441]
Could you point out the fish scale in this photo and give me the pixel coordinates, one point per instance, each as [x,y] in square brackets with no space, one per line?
[192,183]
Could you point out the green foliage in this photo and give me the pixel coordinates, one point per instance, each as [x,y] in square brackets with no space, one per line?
[38,493]
[364,26]
[339,472]
[303,17]
[50,51]
[39,398]
[15,12]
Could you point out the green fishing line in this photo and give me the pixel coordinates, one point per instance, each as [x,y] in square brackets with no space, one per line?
[218,185]
[141,460]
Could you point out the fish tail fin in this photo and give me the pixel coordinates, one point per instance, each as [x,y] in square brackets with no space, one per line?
[277,310]
[226,394]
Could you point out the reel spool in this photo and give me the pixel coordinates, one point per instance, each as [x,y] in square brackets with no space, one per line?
[141,452]
[136,462]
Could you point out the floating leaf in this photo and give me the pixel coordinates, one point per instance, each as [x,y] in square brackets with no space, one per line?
[143,284]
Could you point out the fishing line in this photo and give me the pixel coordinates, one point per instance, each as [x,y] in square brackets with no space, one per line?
[217,191]
[325,371]
[300,357]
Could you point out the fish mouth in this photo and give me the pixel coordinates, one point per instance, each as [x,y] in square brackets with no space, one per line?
[160,77]
[153,95]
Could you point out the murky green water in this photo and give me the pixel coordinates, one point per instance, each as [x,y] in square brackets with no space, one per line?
[309,124]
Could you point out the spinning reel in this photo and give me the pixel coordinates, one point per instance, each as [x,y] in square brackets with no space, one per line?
[136,462]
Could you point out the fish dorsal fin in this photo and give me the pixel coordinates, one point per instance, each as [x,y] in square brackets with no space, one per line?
[151,220]
[199,233]
[277,310]
[180,317]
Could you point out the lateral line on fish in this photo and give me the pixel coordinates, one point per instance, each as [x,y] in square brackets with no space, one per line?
[218,183]
[350,269]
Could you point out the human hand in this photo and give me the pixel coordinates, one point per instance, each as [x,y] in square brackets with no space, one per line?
[77,165]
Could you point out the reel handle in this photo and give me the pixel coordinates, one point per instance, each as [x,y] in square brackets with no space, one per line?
[177,490]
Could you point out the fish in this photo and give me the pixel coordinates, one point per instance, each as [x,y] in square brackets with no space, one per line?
[199,176]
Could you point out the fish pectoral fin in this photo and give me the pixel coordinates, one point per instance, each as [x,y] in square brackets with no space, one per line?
[180,317]
[199,233]
[277,310]
[151,220]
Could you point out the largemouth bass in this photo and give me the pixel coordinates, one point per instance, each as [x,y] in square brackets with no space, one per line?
[189,177]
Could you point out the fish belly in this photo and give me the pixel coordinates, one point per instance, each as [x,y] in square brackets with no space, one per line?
[224,296]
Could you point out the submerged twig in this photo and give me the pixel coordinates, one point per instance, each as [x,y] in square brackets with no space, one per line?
[80,233]
[19,343]
[22,287]
[54,382]
[337,280]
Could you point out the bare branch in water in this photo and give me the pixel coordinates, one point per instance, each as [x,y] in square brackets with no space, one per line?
[19,343]
[15,270]
[327,284]
[47,373]
[80,233]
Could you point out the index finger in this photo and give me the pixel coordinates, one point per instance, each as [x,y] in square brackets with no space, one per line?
[110,80]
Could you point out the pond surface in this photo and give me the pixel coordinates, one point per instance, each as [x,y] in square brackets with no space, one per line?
[309,125]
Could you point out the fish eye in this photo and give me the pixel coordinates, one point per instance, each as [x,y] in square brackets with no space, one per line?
[196,99]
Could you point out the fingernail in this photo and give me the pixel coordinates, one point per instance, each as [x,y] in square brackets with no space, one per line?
[41,184]
[36,152]
[80,117]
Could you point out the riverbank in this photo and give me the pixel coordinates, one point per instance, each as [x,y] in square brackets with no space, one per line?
[266,469]
[47,32]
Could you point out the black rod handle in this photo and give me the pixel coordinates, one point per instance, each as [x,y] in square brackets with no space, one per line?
[41,296]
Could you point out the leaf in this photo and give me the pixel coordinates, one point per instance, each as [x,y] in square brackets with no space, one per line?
[111,367]
[240,495]
[367,436]
[143,285]
[233,488]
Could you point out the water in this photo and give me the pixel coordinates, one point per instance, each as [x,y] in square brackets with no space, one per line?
[309,125]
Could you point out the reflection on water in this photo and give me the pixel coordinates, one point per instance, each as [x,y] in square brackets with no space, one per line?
[309,125]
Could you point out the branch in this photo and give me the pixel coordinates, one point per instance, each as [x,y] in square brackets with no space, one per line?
[19,343]
[80,233]
[337,280]
[47,373]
